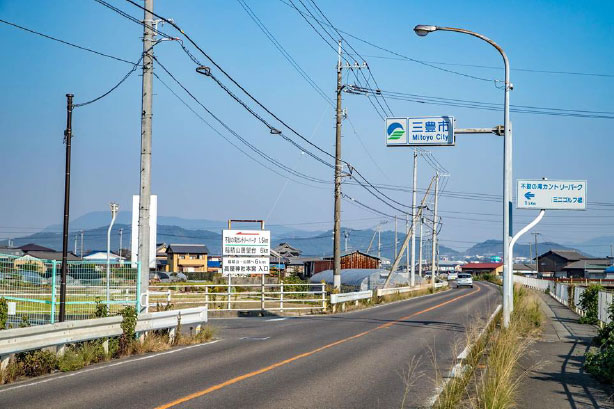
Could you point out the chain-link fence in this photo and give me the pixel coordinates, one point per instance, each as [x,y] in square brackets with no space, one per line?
[32,288]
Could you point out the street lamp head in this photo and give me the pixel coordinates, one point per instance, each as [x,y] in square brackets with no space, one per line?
[423,30]
[114,208]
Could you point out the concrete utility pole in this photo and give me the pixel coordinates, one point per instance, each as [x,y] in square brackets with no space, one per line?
[338,165]
[412,278]
[81,243]
[536,258]
[346,235]
[121,234]
[67,140]
[434,238]
[146,117]
[395,237]
[75,249]
[420,253]
[379,242]
[407,249]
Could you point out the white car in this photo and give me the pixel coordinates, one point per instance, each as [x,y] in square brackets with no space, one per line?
[452,276]
[464,280]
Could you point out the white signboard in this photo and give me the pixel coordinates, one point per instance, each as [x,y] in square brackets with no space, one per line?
[246,243]
[153,227]
[420,131]
[245,265]
[551,194]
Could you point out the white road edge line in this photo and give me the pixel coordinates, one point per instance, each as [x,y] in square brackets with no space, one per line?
[277,319]
[459,369]
[97,368]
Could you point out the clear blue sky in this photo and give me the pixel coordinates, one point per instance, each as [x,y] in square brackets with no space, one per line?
[197,174]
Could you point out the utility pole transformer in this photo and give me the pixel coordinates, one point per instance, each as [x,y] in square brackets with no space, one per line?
[434,237]
[145,169]
[67,140]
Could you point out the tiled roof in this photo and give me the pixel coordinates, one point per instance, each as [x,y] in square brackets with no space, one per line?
[479,266]
[187,248]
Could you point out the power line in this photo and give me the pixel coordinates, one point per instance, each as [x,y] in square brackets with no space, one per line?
[80,47]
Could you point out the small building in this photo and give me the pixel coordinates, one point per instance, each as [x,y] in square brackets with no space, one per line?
[10,251]
[161,256]
[286,250]
[591,268]
[186,258]
[552,262]
[101,256]
[482,268]
[526,270]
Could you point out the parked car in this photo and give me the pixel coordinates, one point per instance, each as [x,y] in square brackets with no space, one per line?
[464,280]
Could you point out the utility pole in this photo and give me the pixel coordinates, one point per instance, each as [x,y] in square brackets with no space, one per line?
[536,258]
[121,233]
[420,253]
[81,243]
[434,238]
[407,249]
[395,237]
[75,252]
[67,140]
[346,235]
[145,169]
[379,242]
[338,165]
[412,279]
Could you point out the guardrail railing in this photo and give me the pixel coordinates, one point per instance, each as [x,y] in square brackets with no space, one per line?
[58,335]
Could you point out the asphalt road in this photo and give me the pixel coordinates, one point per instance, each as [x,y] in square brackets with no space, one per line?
[358,359]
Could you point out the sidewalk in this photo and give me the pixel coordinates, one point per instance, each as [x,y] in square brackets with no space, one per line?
[556,379]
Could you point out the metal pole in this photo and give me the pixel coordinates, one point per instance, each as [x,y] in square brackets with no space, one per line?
[420,254]
[379,242]
[407,249]
[434,237]
[114,208]
[412,278]
[81,243]
[75,250]
[67,140]
[338,165]
[146,117]
[536,258]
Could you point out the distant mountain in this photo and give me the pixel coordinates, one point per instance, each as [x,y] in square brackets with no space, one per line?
[599,246]
[495,248]
[94,220]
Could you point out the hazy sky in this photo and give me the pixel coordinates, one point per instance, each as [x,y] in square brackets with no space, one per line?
[198,174]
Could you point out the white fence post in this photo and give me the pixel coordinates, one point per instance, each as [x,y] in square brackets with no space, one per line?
[281,302]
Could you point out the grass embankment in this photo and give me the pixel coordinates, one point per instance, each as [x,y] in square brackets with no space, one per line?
[79,355]
[499,351]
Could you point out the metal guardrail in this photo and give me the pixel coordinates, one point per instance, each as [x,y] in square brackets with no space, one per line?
[381,292]
[355,296]
[57,335]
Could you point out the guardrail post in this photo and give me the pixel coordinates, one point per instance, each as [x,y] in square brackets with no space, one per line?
[281,302]
[172,332]
[60,350]
[5,360]
[207,296]
[105,346]
[168,297]
[323,297]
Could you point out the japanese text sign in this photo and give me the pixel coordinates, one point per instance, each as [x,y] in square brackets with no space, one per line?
[246,242]
[245,266]
[420,131]
[551,194]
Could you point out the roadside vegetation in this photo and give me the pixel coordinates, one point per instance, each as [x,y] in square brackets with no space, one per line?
[600,360]
[589,302]
[496,384]
[82,354]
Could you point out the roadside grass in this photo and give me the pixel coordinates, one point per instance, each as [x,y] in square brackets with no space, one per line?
[498,352]
[79,355]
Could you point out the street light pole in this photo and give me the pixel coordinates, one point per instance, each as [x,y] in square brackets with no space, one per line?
[423,30]
[114,209]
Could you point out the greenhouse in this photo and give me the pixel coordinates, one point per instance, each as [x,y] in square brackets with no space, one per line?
[361,279]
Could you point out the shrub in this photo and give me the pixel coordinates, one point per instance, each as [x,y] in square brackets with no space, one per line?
[39,362]
[600,363]
[4,313]
[71,361]
[589,301]
[128,326]
[101,309]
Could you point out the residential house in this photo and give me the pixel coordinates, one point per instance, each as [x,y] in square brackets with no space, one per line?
[100,256]
[593,268]
[286,250]
[526,270]
[354,260]
[552,262]
[483,268]
[161,256]
[186,258]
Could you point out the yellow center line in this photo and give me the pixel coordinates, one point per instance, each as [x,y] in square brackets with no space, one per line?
[305,354]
